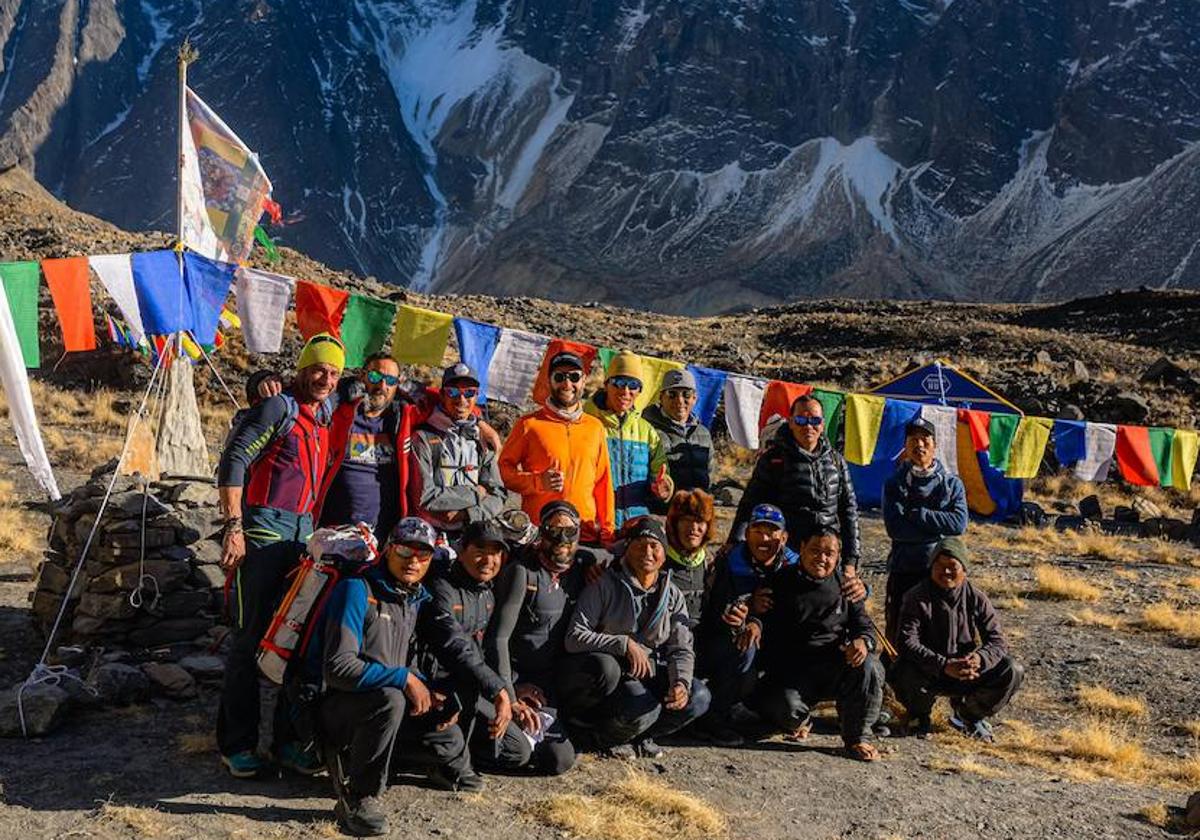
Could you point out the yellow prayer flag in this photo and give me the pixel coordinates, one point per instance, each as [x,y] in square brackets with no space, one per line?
[1028,447]
[420,335]
[1185,448]
[653,371]
[864,416]
[190,347]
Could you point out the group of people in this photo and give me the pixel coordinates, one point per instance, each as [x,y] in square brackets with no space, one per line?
[606,617]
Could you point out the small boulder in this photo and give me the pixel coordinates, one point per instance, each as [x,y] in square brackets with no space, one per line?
[195,493]
[1042,357]
[203,666]
[119,684]
[1125,515]
[1191,812]
[1166,372]
[1128,407]
[169,631]
[42,705]
[728,496]
[170,680]
[1090,508]
[1079,369]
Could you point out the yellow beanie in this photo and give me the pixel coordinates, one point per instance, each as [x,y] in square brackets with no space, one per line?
[322,349]
[625,363]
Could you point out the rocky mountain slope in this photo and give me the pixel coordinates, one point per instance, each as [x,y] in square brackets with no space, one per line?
[682,155]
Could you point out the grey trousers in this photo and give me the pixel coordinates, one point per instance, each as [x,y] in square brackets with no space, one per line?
[786,700]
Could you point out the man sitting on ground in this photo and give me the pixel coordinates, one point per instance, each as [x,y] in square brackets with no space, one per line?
[628,679]
[371,694]
[819,646]
[535,596]
[731,630]
[940,621]
[922,504]
[454,479]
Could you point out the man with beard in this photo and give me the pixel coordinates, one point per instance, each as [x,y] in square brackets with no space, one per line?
[558,453]
[270,471]
[535,595]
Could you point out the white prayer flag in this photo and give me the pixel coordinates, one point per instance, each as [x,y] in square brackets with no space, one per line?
[1100,441]
[262,302]
[743,403]
[515,365]
[116,273]
[20,402]
[945,420]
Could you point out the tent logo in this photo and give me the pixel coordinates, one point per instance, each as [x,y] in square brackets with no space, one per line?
[936,384]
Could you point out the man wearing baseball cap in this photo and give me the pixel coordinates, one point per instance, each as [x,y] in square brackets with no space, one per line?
[270,471]
[559,453]
[730,632]
[687,441]
[629,676]
[454,478]
[373,699]
[922,504]
[951,644]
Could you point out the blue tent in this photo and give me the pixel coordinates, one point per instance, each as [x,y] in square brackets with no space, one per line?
[938,383]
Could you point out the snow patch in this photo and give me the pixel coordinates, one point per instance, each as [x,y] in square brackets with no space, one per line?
[632,25]
[161,30]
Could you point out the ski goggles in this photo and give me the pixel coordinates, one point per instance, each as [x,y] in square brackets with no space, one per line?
[376,376]
[454,392]
[408,552]
[560,534]
[561,376]
[808,421]
[626,382]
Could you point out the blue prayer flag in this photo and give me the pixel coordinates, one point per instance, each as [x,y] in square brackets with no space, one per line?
[161,297]
[476,346]
[1070,441]
[207,283]
[709,385]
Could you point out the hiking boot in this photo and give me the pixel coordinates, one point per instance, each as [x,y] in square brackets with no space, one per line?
[625,752]
[468,782]
[921,727]
[360,817]
[243,765]
[305,761]
[718,734]
[647,748]
[979,730]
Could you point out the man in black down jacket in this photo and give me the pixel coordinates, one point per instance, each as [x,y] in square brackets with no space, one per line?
[939,623]
[687,440]
[800,473]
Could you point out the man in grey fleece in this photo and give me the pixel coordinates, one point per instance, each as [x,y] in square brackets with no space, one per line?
[628,678]
[950,644]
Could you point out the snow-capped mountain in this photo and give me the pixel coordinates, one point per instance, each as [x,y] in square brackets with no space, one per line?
[690,155]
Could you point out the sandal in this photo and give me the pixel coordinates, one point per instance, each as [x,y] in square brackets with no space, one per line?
[862,751]
[801,732]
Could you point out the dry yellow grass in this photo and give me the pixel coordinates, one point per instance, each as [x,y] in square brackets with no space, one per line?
[1057,585]
[1191,727]
[195,743]
[1105,702]
[997,587]
[1156,814]
[21,532]
[142,822]
[965,765]
[1088,617]
[1125,574]
[1010,603]
[635,808]
[1168,619]
[1191,583]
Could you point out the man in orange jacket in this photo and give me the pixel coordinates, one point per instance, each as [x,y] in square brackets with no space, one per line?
[560,453]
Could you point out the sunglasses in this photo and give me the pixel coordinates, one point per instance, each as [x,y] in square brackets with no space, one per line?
[454,392]
[808,421]
[626,382]
[375,377]
[561,376]
[560,533]
[408,552]
[678,393]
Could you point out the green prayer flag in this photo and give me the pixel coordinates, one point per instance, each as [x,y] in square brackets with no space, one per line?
[832,402]
[1002,429]
[261,237]
[1161,445]
[21,281]
[605,355]
[365,327]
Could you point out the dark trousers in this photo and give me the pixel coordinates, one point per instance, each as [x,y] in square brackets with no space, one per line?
[259,585]
[973,700]
[785,700]
[898,583]
[729,672]
[362,726]
[614,708]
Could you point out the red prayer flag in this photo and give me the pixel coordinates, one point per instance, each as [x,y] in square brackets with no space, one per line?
[541,387]
[1135,457]
[68,282]
[979,422]
[319,309]
[777,402]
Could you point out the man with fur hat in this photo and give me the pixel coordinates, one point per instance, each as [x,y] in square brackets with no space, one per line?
[951,644]
[690,526]
[628,678]
[636,455]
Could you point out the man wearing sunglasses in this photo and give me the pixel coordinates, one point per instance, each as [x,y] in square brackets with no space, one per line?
[686,439]
[635,451]
[800,473]
[453,477]
[558,453]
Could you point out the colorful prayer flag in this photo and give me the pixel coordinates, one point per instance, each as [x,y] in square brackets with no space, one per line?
[978,424]
[262,302]
[14,382]
[320,309]
[1099,443]
[1002,428]
[864,416]
[1135,457]
[833,403]
[72,296]
[365,327]
[1161,447]
[476,346]
[743,405]
[709,385]
[653,371]
[224,186]
[1070,441]
[515,365]
[1183,462]
[420,336]
[116,275]
[945,421]
[162,299]
[21,281]
[1028,447]
[207,283]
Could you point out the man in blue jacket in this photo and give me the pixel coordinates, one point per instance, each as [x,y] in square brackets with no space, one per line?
[923,503]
